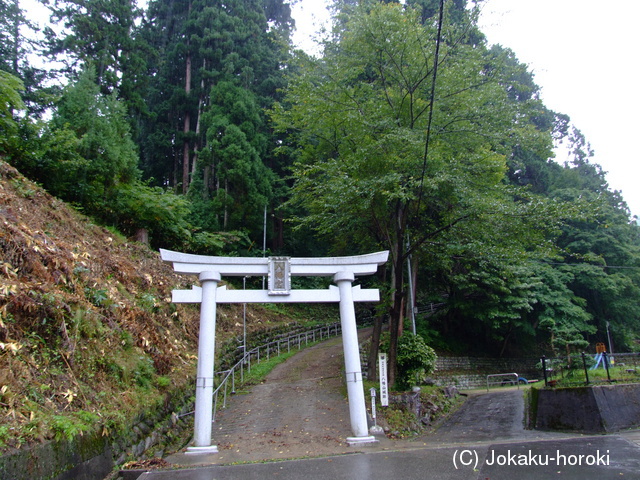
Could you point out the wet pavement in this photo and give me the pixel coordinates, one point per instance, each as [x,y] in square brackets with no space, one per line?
[601,457]
[299,412]
[483,440]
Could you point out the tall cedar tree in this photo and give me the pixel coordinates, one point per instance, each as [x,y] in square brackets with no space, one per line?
[17,42]
[217,66]
[100,32]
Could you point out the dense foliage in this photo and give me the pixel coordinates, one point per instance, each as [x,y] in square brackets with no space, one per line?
[416,360]
[195,121]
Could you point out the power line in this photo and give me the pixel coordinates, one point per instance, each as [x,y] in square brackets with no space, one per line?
[431,102]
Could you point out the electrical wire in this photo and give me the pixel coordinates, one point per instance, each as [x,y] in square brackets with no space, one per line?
[431,102]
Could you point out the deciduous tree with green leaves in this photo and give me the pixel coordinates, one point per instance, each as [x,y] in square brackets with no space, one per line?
[601,252]
[383,151]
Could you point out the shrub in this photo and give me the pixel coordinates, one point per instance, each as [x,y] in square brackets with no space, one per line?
[416,360]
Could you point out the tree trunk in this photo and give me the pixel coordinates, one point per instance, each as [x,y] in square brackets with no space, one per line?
[206,180]
[277,242]
[397,287]
[187,128]
[411,296]
[226,208]
[185,154]
[187,118]
[395,322]
[142,236]
[198,145]
[15,54]
[506,340]
[372,364]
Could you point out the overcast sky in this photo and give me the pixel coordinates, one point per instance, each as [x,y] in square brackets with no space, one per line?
[583,54]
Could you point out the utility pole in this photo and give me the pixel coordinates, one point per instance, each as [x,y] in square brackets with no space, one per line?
[411,299]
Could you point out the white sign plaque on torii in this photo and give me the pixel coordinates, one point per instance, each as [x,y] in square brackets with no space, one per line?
[279,270]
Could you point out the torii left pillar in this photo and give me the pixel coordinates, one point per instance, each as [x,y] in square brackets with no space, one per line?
[279,270]
[206,365]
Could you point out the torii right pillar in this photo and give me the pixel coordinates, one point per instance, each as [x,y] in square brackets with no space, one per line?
[353,368]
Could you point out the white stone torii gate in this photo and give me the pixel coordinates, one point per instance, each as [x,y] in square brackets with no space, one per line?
[279,271]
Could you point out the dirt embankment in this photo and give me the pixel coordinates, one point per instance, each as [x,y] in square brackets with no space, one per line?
[87,331]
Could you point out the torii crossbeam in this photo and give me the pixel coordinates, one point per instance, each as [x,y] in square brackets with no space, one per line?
[279,270]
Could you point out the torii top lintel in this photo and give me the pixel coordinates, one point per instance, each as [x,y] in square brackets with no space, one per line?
[259,266]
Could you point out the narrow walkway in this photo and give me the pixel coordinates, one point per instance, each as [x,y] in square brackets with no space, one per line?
[299,405]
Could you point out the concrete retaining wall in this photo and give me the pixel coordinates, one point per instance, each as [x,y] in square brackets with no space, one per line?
[593,409]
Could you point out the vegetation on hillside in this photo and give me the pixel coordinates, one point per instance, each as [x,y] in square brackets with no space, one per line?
[88,336]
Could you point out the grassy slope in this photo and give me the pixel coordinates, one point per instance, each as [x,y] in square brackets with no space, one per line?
[87,331]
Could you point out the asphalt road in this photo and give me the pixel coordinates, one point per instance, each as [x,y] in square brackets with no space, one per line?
[602,458]
[299,412]
[484,440]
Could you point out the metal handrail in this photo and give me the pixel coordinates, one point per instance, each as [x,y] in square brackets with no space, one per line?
[503,375]
[317,334]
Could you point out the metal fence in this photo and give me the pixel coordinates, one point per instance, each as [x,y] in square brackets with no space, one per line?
[227,378]
[587,369]
[503,379]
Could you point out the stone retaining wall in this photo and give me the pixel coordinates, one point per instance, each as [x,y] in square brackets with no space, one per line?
[93,455]
[488,365]
[462,382]
[471,372]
